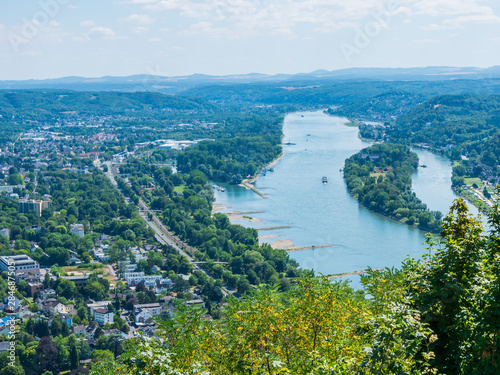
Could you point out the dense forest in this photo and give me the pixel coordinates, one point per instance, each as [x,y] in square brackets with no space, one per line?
[464,121]
[230,160]
[466,128]
[379,177]
[382,107]
[57,102]
[318,93]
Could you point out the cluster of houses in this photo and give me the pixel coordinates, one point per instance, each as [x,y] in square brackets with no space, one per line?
[50,307]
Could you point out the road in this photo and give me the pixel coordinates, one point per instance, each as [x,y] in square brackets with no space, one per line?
[165,237]
[162,235]
[112,273]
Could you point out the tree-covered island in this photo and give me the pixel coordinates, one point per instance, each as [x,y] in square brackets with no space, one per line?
[379,177]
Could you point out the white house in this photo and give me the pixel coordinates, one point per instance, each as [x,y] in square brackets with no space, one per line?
[17,263]
[134,278]
[98,305]
[77,229]
[103,316]
[147,311]
[100,255]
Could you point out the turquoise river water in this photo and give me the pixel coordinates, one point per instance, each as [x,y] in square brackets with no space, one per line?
[325,214]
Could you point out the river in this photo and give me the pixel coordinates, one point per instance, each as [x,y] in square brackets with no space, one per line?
[325,214]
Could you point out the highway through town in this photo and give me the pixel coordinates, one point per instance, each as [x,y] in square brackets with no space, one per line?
[162,235]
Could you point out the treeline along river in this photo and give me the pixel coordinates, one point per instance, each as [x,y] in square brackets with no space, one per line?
[320,214]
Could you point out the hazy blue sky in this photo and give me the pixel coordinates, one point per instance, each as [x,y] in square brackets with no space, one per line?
[92,38]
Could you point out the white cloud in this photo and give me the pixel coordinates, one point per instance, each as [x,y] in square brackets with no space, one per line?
[462,21]
[205,28]
[245,17]
[156,40]
[101,32]
[88,23]
[31,53]
[334,26]
[139,29]
[140,2]
[139,19]
[97,32]
[241,18]
[83,38]
[437,8]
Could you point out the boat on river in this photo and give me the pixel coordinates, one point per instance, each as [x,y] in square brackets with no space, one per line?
[324,179]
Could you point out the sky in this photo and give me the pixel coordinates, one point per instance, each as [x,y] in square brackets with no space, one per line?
[94,38]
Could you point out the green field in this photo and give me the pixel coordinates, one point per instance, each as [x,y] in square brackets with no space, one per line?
[179,189]
[469,181]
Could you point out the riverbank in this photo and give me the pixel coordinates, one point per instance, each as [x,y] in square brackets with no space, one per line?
[218,207]
[246,218]
[475,197]
[283,244]
[249,183]
[352,123]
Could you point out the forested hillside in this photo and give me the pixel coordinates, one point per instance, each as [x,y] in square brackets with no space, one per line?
[382,107]
[57,102]
[321,93]
[464,121]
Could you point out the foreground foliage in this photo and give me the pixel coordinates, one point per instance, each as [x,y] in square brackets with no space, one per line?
[438,315]
[316,327]
[457,290]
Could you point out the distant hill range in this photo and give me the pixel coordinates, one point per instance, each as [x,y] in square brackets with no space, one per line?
[174,85]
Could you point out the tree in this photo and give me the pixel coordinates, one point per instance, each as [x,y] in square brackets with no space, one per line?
[181,285]
[7,369]
[82,312]
[15,179]
[67,289]
[102,355]
[454,292]
[33,307]
[56,327]
[140,287]
[95,290]
[41,328]
[74,355]
[47,355]
[243,285]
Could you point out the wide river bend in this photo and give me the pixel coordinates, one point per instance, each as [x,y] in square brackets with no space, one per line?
[325,214]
